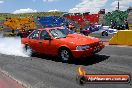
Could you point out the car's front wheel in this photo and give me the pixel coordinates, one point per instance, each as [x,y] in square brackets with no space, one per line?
[65,55]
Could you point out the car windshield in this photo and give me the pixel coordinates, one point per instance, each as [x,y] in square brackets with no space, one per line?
[64,31]
[67,31]
[58,33]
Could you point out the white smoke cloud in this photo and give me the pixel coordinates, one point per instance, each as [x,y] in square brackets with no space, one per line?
[11,46]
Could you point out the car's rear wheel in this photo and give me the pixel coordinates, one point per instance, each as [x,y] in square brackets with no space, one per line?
[104,33]
[65,54]
[28,51]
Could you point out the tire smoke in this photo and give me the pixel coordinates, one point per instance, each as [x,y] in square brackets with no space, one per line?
[11,46]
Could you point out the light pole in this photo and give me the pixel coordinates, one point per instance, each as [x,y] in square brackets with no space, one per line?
[118,5]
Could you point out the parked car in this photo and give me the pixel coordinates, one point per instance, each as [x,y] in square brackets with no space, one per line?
[105,30]
[58,41]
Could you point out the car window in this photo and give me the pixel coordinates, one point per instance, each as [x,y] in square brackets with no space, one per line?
[56,33]
[35,35]
[44,34]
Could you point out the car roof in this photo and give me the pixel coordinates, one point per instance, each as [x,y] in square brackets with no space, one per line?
[51,28]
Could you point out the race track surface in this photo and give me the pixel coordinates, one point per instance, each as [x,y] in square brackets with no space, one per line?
[42,72]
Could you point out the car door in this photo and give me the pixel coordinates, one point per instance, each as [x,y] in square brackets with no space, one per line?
[34,40]
[45,41]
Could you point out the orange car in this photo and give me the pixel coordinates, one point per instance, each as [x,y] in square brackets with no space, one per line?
[58,41]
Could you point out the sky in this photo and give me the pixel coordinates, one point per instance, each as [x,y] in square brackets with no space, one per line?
[92,6]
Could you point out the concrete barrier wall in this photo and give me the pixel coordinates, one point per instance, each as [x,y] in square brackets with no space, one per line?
[123,37]
[130,26]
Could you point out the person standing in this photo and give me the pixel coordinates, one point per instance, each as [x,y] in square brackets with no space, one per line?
[126,25]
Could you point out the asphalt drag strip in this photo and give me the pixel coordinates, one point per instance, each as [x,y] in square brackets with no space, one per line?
[43,72]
